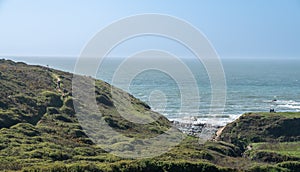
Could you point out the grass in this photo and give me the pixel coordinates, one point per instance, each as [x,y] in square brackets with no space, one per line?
[283,148]
[281,114]
[262,127]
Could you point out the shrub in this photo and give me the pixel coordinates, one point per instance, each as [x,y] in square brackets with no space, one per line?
[267,156]
[176,166]
[85,151]
[52,99]
[59,155]
[103,99]
[63,118]
[55,167]
[293,166]
[69,102]
[23,99]
[8,118]
[10,164]
[26,129]
[36,154]
[67,110]
[83,168]
[52,110]
[3,105]
[77,133]
[267,168]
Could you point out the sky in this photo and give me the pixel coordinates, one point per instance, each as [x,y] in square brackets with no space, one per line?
[235,28]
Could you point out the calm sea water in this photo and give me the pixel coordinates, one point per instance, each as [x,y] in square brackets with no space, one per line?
[251,86]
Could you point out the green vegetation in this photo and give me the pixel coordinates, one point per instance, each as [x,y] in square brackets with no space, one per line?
[267,138]
[275,152]
[293,166]
[262,127]
[39,131]
[279,114]
[284,148]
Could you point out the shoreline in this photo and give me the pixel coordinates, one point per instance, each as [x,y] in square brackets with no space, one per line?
[205,127]
[199,129]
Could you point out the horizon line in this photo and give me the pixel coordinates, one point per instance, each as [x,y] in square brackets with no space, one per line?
[185,57]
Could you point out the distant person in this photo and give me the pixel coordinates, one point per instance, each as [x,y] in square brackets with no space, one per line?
[58,84]
[273,105]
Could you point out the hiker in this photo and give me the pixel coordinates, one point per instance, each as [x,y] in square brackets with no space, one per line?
[273,105]
[58,84]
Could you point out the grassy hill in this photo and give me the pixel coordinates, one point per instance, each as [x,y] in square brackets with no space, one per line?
[39,128]
[40,131]
[272,138]
[263,127]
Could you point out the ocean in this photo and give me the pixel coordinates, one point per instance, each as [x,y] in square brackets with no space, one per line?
[252,85]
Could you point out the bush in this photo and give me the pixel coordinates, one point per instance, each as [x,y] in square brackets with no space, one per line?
[3,105]
[61,167]
[176,166]
[84,168]
[67,110]
[267,156]
[10,164]
[85,151]
[8,118]
[55,167]
[23,99]
[69,102]
[36,154]
[293,166]
[52,110]
[59,155]
[52,99]
[267,168]
[123,146]
[77,133]
[103,99]
[26,129]
[63,118]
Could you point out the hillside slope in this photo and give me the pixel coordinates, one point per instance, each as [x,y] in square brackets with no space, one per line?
[263,127]
[39,129]
[272,138]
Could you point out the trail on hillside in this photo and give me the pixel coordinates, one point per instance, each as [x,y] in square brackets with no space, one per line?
[218,133]
[57,81]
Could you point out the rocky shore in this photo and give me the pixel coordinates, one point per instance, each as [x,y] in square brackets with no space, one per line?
[197,129]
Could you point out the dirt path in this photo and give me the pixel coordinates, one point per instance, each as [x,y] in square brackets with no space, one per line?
[218,133]
[57,81]
[56,77]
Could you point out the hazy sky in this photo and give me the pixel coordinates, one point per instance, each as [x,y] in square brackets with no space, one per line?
[244,29]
